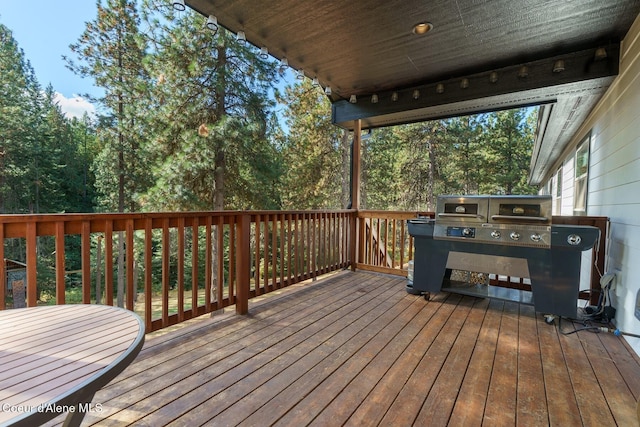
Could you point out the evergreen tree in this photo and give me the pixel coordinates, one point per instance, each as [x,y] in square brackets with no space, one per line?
[381,166]
[19,106]
[62,160]
[425,155]
[509,144]
[463,171]
[111,51]
[311,150]
[211,122]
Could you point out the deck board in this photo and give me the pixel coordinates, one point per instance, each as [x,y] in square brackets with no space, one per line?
[593,407]
[469,407]
[444,392]
[562,406]
[531,410]
[500,408]
[355,349]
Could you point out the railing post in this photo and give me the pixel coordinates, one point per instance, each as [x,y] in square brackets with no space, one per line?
[3,272]
[32,260]
[85,257]
[60,264]
[353,240]
[243,263]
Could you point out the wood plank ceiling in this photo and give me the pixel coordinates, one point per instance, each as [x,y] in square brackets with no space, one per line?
[471,61]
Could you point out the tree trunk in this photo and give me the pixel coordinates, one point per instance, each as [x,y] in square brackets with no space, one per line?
[364,170]
[218,176]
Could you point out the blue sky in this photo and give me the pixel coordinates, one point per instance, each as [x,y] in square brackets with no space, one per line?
[44,29]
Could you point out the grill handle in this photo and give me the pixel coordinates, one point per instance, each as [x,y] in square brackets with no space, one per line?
[522,218]
[458,215]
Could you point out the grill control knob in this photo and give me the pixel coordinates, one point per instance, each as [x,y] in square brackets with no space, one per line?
[466,232]
[535,237]
[514,235]
[574,239]
[496,234]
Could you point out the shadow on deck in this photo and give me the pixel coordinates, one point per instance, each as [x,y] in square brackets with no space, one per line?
[356,349]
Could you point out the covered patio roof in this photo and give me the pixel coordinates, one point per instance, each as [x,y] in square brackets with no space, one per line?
[476,57]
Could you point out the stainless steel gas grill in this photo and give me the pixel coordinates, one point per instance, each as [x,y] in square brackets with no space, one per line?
[502,235]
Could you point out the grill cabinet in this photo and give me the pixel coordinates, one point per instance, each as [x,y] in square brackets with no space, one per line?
[506,235]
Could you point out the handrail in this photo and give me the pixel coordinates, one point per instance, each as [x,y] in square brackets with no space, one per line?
[229,256]
[384,243]
[179,265]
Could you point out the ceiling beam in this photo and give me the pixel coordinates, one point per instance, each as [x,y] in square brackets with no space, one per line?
[492,90]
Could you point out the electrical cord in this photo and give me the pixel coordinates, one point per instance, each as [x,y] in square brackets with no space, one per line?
[585,327]
[595,329]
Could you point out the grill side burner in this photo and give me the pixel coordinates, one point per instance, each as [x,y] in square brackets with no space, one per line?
[510,235]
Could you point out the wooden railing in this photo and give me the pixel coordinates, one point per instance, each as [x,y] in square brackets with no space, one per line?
[173,266]
[384,244]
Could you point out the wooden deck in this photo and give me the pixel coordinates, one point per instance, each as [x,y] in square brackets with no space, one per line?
[355,349]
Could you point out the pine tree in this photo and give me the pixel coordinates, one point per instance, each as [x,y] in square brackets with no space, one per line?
[19,105]
[509,143]
[211,123]
[380,167]
[425,157]
[312,150]
[111,51]
[462,172]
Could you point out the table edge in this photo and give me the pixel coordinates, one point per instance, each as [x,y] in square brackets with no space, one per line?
[86,389]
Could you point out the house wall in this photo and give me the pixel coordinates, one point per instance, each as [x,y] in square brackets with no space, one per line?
[614,179]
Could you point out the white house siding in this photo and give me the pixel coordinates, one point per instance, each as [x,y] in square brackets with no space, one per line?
[614,179]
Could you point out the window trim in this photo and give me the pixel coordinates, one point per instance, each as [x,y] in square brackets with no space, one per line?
[556,190]
[581,176]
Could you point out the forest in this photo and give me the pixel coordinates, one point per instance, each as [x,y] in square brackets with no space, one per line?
[195,120]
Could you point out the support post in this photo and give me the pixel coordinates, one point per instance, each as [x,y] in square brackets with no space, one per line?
[243,264]
[355,189]
[355,161]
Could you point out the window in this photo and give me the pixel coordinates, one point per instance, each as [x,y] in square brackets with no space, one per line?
[556,192]
[581,177]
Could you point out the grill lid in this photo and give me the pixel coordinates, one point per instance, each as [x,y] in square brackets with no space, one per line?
[506,220]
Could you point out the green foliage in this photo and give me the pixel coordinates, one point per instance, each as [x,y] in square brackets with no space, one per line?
[44,156]
[19,140]
[311,150]
[406,167]
[188,123]
[111,51]
[509,145]
[210,118]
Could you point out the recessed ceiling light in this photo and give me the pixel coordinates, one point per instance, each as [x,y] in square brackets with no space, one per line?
[422,28]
